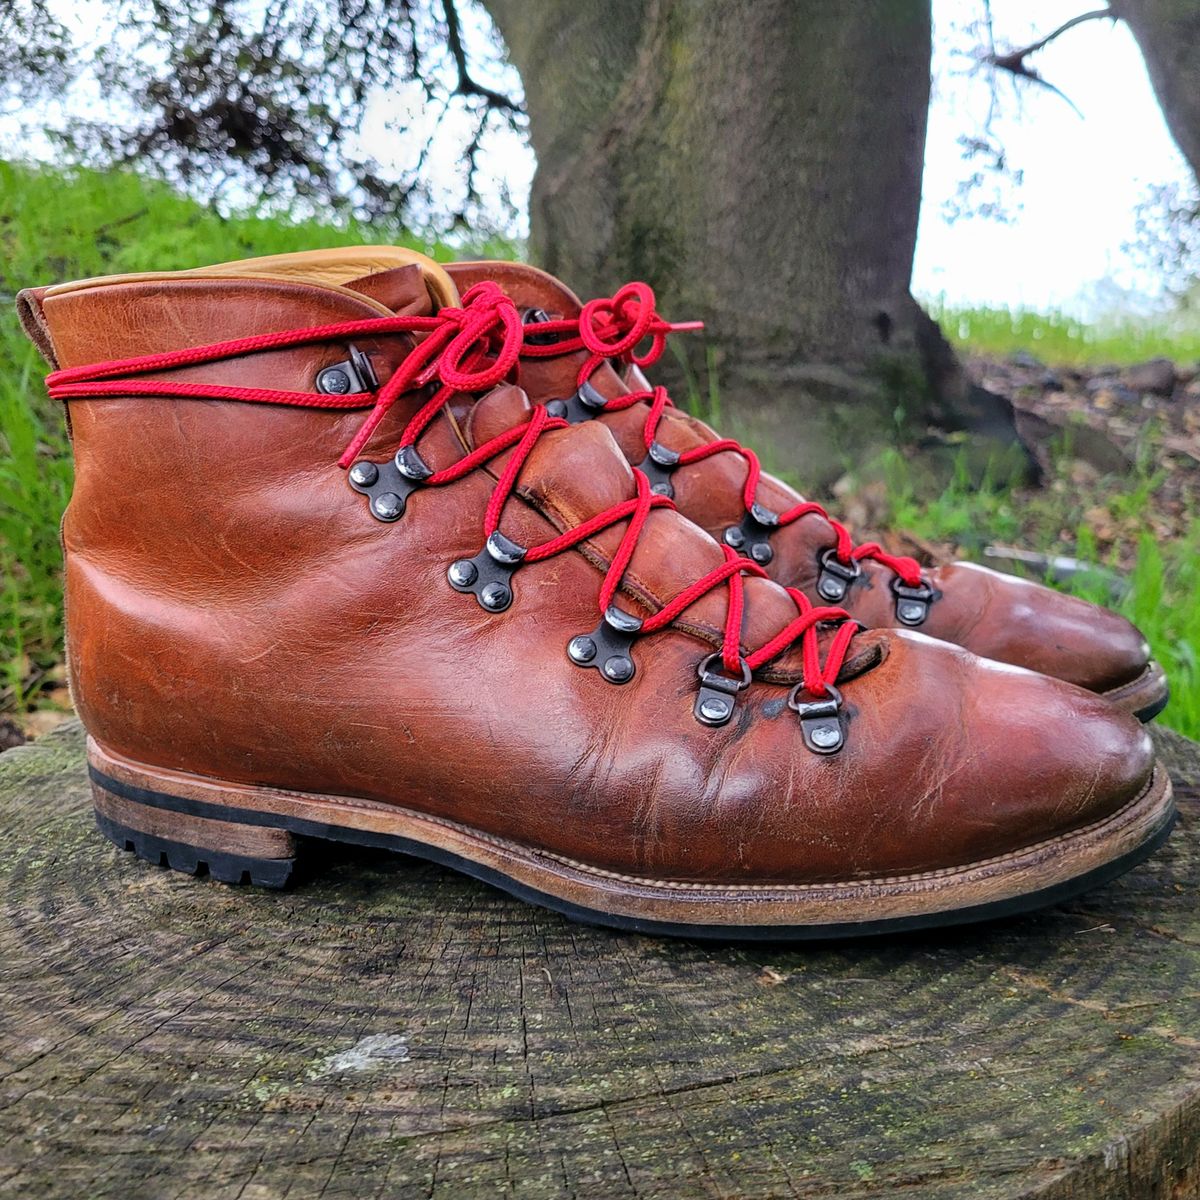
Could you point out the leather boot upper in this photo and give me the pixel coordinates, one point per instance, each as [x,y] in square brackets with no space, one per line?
[992,614]
[235,611]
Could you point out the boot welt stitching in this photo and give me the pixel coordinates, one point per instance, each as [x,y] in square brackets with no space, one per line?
[1113,819]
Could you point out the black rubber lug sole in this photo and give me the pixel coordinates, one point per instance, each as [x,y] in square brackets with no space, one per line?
[225,868]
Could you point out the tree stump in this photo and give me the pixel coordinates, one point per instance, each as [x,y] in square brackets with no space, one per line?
[391,1029]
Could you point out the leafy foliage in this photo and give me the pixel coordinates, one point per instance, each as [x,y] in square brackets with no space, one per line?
[241,98]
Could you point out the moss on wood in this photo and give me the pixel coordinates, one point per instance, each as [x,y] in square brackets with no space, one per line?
[390,1029]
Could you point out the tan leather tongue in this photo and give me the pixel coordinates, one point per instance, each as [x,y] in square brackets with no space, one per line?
[495,413]
[711,491]
[401,289]
[575,473]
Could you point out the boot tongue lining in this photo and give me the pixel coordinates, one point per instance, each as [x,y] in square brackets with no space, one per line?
[332,268]
[339,266]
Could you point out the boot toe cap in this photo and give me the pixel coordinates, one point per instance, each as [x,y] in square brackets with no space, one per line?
[1030,625]
[985,759]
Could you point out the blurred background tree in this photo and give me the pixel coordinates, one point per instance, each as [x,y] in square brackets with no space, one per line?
[267,98]
[760,161]
[1168,32]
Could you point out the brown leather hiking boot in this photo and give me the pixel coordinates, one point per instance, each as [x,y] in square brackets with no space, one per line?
[488,642]
[717,483]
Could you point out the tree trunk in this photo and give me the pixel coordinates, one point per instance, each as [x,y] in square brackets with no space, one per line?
[759,162]
[1168,32]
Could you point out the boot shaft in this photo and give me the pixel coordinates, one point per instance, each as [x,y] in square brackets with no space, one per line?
[185,514]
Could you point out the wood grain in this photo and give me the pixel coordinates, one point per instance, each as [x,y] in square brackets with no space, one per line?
[392,1030]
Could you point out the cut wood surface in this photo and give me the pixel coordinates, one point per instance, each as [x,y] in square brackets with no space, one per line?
[390,1029]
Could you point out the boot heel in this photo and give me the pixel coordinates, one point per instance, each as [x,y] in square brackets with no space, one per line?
[231,852]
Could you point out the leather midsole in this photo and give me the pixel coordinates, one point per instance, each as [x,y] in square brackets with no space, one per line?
[1141,693]
[1045,865]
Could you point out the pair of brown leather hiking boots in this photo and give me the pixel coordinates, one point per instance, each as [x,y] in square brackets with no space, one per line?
[366,549]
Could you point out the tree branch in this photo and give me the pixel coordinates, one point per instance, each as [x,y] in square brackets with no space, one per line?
[467,86]
[1014,60]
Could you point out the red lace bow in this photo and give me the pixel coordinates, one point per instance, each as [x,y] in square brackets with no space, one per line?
[470,349]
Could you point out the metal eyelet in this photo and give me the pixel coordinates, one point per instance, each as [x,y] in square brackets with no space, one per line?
[607,647]
[912,603]
[836,576]
[583,406]
[354,374]
[488,576]
[715,700]
[658,466]
[821,723]
[752,536]
[537,316]
[389,484]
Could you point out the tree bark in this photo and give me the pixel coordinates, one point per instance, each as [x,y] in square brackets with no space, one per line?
[759,162]
[1168,32]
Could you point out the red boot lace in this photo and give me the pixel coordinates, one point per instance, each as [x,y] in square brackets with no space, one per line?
[471,349]
[612,328]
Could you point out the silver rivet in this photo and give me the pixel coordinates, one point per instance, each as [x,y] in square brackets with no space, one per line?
[581,649]
[825,736]
[762,553]
[714,709]
[334,382]
[364,473]
[663,489]
[734,537]
[618,668]
[388,506]
[463,572]
[495,596]
[831,589]
[910,611]
[557,408]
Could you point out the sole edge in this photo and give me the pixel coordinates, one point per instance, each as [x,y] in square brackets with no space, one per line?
[648,906]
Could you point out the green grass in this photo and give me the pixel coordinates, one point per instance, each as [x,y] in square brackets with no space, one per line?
[1159,592]
[35,481]
[1057,339]
[56,226]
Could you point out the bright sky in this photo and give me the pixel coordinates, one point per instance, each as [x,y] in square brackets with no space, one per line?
[1070,220]
[1083,177]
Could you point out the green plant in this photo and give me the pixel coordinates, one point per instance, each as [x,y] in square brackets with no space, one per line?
[1157,584]
[35,481]
[1057,338]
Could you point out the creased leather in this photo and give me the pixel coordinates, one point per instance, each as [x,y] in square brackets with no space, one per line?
[235,612]
[992,614]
